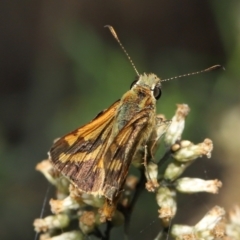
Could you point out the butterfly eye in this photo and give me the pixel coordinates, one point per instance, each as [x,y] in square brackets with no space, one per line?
[157,92]
[133,83]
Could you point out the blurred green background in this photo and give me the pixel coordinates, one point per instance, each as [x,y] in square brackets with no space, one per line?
[59,67]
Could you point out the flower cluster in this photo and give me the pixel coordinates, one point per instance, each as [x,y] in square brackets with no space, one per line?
[77,214]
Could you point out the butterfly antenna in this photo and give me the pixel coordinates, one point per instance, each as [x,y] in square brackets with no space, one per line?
[123,48]
[215,67]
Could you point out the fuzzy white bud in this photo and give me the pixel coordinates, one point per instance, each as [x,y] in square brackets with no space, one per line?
[51,222]
[166,200]
[73,235]
[204,229]
[67,203]
[186,151]
[175,130]
[193,185]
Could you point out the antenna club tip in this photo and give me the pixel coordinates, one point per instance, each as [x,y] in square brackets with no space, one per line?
[112,31]
[219,66]
[215,67]
[108,26]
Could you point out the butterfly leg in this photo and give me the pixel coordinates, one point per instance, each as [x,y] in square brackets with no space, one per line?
[145,162]
[151,172]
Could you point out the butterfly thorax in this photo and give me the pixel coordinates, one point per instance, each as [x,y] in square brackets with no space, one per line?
[137,101]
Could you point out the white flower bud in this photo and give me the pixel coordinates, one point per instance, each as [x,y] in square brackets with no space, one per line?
[234,215]
[87,221]
[166,200]
[209,221]
[204,229]
[174,131]
[175,169]
[67,203]
[95,201]
[186,151]
[73,235]
[233,225]
[193,185]
[182,232]
[151,173]
[46,168]
[51,222]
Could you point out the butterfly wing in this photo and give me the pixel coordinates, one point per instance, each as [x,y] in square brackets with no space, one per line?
[78,155]
[94,164]
[120,153]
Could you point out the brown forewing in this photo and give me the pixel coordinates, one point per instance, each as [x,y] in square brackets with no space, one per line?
[78,155]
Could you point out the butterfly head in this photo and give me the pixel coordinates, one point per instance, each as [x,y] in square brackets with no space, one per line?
[150,82]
